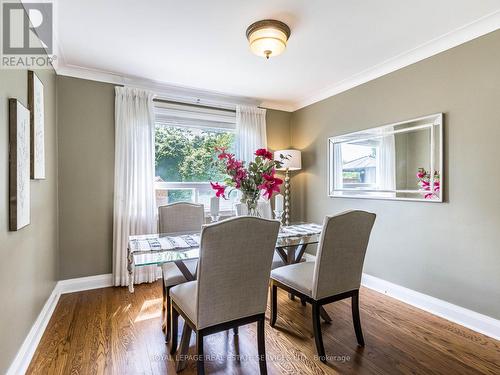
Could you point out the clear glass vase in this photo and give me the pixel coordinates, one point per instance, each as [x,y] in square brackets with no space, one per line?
[252,207]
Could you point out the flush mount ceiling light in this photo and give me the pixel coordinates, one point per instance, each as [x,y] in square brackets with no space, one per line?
[268,37]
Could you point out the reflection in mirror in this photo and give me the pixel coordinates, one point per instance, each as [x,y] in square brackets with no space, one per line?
[398,161]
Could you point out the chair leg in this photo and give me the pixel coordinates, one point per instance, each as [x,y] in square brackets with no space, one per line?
[183,349]
[261,344]
[274,304]
[303,301]
[200,361]
[355,318]
[168,314]
[175,330]
[317,332]
[164,294]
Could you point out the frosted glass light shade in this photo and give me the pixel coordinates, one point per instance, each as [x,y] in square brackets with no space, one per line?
[268,38]
[294,161]
[267,42]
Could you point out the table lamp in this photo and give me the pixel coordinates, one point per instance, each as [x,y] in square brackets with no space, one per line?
[292,161]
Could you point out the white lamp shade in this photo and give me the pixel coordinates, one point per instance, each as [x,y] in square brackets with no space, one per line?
[293,161]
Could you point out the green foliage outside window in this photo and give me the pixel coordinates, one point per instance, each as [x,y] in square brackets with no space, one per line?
[180,195]
[188,154]
[351,176]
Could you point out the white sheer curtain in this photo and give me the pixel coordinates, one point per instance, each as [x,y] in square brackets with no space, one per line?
[134,202]
[386,161]
[250,131]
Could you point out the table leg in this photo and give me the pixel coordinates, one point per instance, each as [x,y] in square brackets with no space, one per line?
[131,279]
[282,254]
[130,269]
[184,270]
[301,249]
[184,347]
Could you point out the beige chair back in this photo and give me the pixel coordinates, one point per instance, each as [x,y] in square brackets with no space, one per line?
[234,269]
[180,217]
[263,208]
[341,253]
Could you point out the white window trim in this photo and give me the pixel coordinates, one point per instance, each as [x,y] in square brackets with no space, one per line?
[196,187]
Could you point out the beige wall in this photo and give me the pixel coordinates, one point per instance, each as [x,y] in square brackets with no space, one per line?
[451,250]
[28,265]
[86,173]
[445,250]
[278,129]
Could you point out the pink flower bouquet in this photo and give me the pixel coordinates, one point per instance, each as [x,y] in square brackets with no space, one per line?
[259,178]
[424,182]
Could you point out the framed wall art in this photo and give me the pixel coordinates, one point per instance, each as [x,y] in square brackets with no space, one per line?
[37,126]
[19,165]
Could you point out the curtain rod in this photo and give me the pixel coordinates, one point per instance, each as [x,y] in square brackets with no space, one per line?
[197,105]
[194,105]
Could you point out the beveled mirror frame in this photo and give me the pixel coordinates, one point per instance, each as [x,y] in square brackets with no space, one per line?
[433,122]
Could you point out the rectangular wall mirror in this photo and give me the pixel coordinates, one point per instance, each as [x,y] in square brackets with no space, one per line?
[402,161]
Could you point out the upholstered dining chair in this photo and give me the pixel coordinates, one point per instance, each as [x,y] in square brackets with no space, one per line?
[335,275]
[232,281]
[177,217]
[265,212]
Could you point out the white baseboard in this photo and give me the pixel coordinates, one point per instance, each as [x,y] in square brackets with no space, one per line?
[456,314]
[85,283]
[467,318]
[24,355]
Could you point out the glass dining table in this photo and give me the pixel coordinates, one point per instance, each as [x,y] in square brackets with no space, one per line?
[157,249]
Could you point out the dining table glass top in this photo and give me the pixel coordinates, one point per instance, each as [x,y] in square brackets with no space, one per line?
[156,249]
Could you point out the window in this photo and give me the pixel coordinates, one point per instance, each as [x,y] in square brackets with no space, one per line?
[359,165]
[185,158]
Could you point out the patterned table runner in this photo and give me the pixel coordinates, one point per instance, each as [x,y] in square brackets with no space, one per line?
[188,241]
[300,230]
[165,243]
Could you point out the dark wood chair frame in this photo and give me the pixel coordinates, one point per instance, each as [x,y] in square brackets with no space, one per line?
[293,254]
[166,306]
[200,334]
[316,312]
[167,311]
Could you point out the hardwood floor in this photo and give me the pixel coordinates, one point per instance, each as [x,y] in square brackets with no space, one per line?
[110,331]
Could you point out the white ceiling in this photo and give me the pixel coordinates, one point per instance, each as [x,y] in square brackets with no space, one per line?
[201,44]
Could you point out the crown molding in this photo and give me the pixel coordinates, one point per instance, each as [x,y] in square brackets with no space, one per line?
[181,94]
[165,91]
[279,106]
[463,34]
